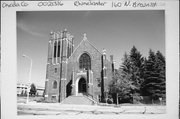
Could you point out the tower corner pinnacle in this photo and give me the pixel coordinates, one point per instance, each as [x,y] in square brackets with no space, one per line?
[84,36]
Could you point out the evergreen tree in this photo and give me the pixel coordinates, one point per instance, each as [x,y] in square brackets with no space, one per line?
[126,74]
[154,75]
[33,89]
[149,75]
[119,86]
[125,88]
[161,69]
[126,67]
[132,67]
[140,76]
[136,61]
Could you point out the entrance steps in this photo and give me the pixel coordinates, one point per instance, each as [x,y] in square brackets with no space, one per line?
[79,99]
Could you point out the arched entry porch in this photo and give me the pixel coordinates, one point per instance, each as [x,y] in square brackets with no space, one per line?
[81,86]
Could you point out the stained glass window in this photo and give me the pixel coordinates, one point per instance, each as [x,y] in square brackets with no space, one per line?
[85,62]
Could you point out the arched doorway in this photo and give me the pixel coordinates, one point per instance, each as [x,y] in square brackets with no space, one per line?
[82,87]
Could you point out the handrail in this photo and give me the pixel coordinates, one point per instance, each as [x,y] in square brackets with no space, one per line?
[87,95]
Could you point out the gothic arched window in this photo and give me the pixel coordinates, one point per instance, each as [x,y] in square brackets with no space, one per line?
[55,46]
[85,61]
[59,44]
[54,84]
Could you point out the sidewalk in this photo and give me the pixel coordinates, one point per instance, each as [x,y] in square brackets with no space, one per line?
[65,109]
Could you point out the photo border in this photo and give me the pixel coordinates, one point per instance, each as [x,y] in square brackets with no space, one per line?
[9,58]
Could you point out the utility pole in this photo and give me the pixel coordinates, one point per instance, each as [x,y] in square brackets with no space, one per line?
[29,81]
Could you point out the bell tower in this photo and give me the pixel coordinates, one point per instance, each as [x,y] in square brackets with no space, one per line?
[60,48]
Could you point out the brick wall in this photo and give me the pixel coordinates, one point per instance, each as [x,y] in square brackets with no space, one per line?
[73,65]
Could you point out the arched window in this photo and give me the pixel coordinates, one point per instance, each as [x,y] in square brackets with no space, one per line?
[85,61]
[55,70]
[54,84]
[55,46]
[59,44]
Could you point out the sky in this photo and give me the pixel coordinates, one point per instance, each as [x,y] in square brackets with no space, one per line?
[116,31]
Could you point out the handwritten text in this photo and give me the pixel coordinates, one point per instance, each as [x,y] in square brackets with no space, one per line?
[14,4]
[50,3]
[133,4]
[89,3]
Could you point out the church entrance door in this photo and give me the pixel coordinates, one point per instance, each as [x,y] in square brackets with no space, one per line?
[82,86]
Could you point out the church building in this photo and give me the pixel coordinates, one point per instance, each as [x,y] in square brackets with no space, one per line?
[76,71]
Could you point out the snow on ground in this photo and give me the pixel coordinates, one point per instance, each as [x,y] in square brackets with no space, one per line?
[65,109]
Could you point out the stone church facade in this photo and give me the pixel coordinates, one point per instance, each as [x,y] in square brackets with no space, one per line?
[83,70]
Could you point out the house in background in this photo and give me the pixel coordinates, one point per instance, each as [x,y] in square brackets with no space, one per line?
[22,89]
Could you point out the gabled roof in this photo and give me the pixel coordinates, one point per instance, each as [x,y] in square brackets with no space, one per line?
[84,40]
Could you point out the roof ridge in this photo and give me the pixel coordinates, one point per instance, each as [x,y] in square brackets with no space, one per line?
[83,40]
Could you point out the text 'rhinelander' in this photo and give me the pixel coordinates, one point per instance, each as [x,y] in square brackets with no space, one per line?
[89,3]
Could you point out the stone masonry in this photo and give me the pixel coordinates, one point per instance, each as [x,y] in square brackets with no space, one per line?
[72,71]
